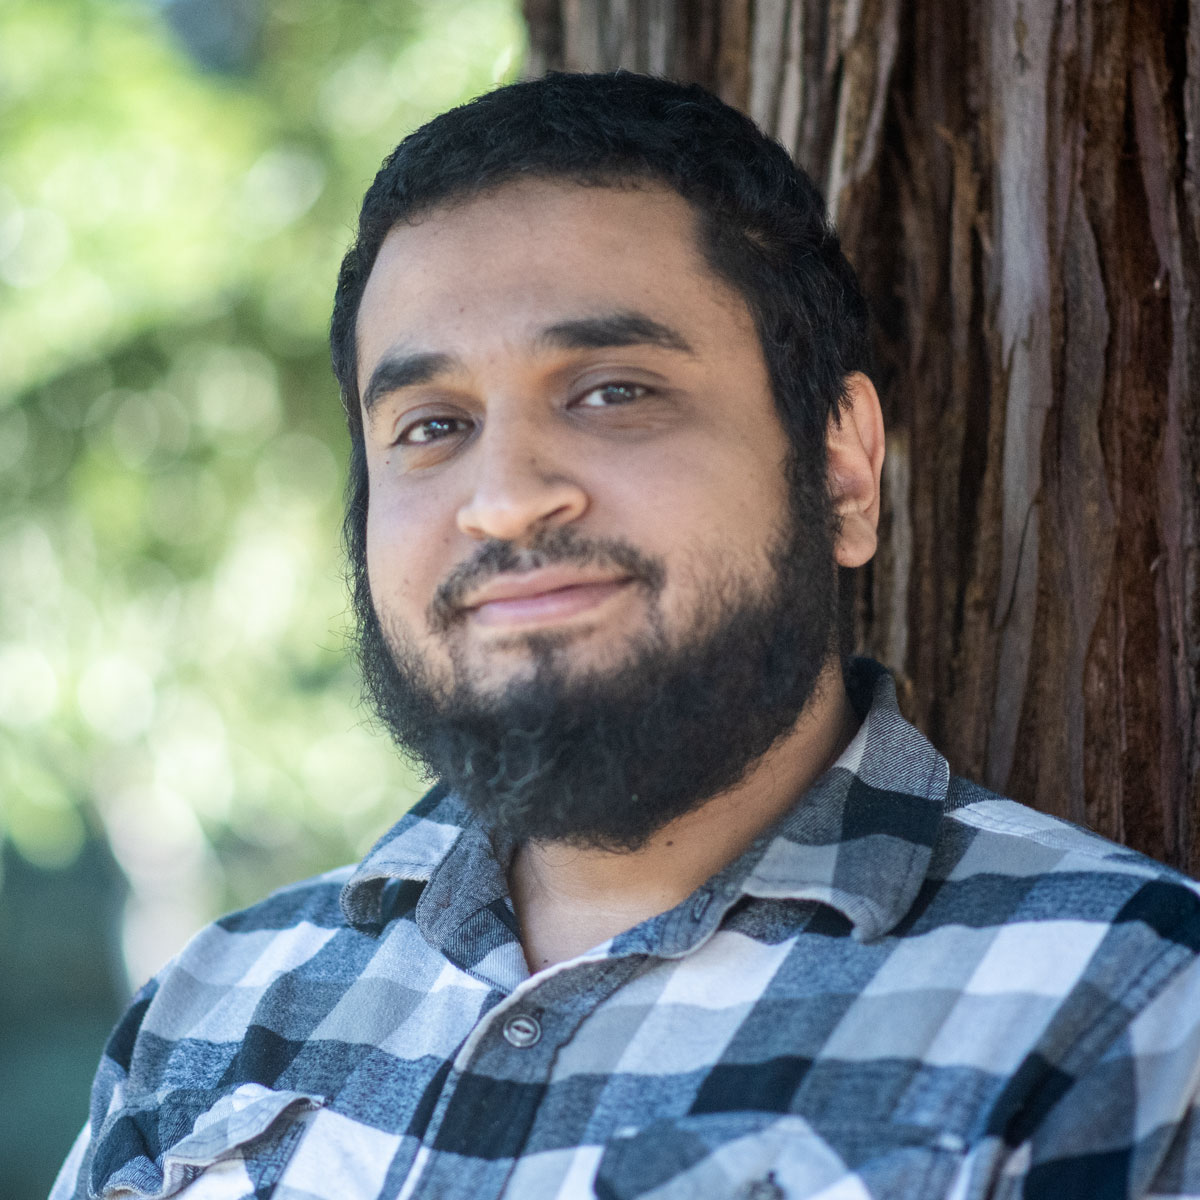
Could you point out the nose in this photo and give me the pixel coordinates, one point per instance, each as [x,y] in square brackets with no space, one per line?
[520,485]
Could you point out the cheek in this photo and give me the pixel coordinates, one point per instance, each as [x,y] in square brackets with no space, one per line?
[380,552]
[402,555]
[713,538]
[712,507]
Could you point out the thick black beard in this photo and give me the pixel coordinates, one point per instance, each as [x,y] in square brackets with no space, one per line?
[607,758]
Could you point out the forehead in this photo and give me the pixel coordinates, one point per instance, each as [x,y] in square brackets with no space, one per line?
[506,262]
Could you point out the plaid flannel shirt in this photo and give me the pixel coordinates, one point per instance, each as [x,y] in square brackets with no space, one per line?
[908,988]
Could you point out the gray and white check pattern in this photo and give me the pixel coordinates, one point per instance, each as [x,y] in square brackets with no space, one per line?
[909,988]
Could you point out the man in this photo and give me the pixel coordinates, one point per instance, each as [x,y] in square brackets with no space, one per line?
[692,911]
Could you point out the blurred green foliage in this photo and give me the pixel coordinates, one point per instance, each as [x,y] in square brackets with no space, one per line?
[173,670]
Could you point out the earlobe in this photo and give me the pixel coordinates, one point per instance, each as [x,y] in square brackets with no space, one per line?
[854,449]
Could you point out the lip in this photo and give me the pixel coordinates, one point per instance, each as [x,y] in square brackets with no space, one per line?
[543,596]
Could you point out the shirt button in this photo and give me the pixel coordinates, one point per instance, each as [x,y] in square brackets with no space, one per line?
[522,1031]
[762,1189]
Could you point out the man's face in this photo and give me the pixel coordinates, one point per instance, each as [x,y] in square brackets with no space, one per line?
[580,533]
[557,357]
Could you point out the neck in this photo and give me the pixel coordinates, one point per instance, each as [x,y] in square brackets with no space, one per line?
[569,899]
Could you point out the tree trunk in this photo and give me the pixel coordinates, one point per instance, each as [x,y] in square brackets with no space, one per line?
[1016,183]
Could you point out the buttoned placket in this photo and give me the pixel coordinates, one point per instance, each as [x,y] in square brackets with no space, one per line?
[516,1042]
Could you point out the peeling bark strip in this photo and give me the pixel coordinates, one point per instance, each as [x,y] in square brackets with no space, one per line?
[1018,184]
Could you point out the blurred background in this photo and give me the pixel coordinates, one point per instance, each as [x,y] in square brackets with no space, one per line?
[179,720]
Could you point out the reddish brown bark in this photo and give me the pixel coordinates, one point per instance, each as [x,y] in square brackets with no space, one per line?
[1016,183]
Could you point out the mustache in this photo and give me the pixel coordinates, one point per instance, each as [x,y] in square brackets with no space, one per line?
[552,547]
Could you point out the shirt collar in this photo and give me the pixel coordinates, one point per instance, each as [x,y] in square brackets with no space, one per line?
[860,840]
[412,850]
[862,837]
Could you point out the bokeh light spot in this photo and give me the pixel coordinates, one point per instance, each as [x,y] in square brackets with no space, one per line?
[39,251]
[28,686]
[116,697]
[279,189]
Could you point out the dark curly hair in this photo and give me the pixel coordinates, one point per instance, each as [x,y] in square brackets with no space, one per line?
[762,227]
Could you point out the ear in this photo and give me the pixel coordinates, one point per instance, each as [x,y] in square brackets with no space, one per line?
[854,447]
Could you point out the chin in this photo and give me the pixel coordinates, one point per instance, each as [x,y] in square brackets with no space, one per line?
[520,657]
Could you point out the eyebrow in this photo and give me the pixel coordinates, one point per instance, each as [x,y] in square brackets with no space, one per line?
[396,371]
[626,328]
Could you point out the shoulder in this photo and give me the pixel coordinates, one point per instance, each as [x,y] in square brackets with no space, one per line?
[998,863]
[269,967]
[249,968]
[985,831]
[300,917]
[203,1056]
[170,1054]
[1098,948]
[313,900]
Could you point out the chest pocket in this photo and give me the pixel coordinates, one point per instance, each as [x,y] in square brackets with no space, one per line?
[765,1156]
[191,1143]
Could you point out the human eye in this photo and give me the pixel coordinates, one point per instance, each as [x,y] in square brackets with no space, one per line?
[609,395]
[430,429]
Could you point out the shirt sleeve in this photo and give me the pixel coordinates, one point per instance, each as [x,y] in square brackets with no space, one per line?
[108,1093]
[1129,1127]
[68,1183]
[1171,1037]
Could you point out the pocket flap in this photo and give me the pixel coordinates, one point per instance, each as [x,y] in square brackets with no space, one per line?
[154,1148]
[739,1156]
